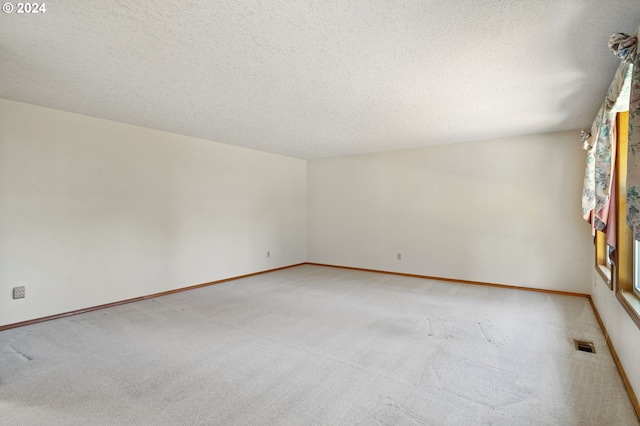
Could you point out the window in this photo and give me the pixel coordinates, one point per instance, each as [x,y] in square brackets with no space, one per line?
[627,271]
[604,266]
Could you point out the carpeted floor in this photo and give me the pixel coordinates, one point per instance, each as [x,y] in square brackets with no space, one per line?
[315,345]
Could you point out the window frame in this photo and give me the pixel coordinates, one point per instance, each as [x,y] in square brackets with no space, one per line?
[636,268]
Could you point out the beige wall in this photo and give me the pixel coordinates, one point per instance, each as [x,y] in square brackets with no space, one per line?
[93,211]
[501,211]
[623,332]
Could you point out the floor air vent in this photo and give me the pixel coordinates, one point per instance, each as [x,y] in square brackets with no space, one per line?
[585,346]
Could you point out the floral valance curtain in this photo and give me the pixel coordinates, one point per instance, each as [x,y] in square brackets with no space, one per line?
[600,146]
[625,47]
[623,95]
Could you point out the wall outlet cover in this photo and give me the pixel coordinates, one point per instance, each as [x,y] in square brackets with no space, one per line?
[18,292]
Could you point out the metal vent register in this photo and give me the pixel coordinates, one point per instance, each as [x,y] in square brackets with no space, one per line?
[584,346]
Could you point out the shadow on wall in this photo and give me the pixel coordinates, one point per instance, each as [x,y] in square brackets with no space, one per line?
[593,72]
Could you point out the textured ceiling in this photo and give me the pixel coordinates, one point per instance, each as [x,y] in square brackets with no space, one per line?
[316,79]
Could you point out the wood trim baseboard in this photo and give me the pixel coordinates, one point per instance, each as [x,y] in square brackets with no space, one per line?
[164,293]
[625,380]
[614,354]
[453,280]
[136,299]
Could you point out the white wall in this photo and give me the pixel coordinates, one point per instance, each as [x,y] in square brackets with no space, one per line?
[623,332]
[93,211]
[500,211]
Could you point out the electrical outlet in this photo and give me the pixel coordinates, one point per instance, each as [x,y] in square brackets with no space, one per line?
[18,292]
[268,254]
[399,256]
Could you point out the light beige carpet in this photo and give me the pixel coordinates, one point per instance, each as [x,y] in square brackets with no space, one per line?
[314,345]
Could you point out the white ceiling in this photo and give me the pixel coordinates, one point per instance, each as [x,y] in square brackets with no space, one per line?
[314,79]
